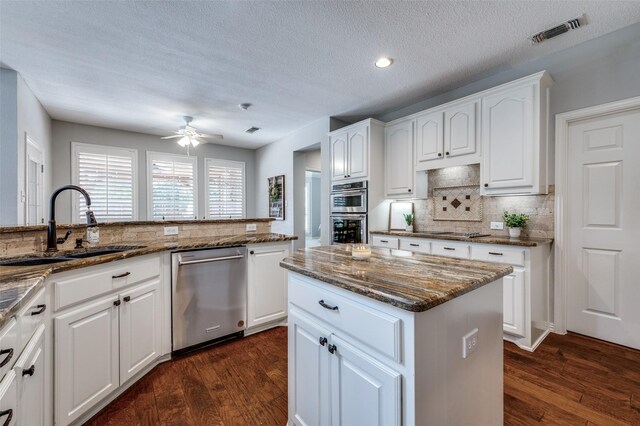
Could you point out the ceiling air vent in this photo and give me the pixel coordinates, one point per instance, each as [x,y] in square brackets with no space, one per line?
[252,129]
[557,30]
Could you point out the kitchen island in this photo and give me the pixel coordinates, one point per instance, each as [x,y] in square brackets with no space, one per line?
[398,339]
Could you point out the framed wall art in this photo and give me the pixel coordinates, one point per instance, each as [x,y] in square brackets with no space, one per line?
[276,197]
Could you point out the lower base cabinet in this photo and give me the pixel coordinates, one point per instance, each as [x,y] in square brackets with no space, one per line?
[513,303]
[9,399]
[31,381]
[100,345]
[267,284]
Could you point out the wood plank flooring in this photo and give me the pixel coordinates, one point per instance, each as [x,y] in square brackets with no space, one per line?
[569,380]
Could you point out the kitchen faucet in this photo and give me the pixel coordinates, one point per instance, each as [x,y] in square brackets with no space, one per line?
[52,238]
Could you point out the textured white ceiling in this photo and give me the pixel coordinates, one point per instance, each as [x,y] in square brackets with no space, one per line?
[142,65]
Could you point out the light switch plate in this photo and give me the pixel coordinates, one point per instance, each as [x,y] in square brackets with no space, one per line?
[497,225]
[170,230]
[251,227]
[470,343]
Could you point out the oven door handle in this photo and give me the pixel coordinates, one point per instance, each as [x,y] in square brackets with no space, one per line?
[361,192]
[211,259]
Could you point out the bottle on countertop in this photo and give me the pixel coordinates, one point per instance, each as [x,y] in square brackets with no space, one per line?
[93,235]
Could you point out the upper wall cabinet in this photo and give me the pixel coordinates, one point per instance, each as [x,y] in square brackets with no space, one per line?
[351,150]
[398,156]
[448,136]
[514,137]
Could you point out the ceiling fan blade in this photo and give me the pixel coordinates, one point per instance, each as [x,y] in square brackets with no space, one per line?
[213,137]
[171,137]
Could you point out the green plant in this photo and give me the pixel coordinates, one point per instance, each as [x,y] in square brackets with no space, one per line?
[408,218]
[515,220]
[274,191]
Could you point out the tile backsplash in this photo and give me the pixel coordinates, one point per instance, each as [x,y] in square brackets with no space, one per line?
[538,207]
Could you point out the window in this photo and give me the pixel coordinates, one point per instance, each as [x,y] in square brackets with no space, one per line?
[110,177]
[172,186]
[225,188]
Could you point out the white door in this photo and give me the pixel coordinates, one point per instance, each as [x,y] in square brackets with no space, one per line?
[139,328]
[460,130]
[34,214]
[30,368]
[308,372]
[513,303]
[86,358]
[363,390]
[507,139]
[9,399]
[429,137]
[358,152]
[267,298]
[339,156]
[603,198]
[398,143]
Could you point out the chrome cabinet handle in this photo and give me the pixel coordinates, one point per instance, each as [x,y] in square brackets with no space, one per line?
[9,353]
[41,309]
[126,274]
[327,306]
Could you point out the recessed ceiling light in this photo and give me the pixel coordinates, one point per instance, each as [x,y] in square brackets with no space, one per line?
[384,62]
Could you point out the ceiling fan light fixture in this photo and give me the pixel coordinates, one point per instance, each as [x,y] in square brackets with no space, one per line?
[184,141]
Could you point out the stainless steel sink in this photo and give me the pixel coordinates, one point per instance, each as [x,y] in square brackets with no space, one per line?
[65,257]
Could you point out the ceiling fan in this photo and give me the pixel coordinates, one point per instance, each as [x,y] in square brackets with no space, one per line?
[189,136]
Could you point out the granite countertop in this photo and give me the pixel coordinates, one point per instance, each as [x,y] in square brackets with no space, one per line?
[410,281]
[19,283]
[491,239]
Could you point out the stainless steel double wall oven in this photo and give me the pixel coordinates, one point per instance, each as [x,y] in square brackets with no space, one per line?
[349,207]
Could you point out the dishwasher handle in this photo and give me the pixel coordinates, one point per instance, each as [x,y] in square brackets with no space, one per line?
[210,259]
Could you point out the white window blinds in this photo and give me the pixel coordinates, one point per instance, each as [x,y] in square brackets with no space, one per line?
[109,175]
[225,188]
[172,183]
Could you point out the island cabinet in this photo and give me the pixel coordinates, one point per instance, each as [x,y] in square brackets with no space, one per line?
[354,360]
[267,285]
[108,330]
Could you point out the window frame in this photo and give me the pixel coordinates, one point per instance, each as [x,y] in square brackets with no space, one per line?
[207,162]
[76,148]
[151,155]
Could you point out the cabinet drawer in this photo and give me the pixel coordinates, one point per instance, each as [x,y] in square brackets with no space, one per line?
[498,254]
[450,249]
[9,399]
[374,328]
[30,317]
[384,241]
[415,244]
[72,288]
[9,349]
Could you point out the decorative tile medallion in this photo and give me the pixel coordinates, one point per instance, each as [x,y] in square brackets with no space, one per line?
[462,203]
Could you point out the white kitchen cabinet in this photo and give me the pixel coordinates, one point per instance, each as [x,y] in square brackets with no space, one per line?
[9,346]
[9,399]
[450,249]
[399,174]
[355,150]
[514,137]
[140,320]
[358,148]
[514,303]
[429,136]
[339,150]
[86,357]
[384,241]
[30,370]
[460,129]
[363,390]
[267,284]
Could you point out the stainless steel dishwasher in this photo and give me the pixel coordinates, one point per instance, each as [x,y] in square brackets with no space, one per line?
[209,298]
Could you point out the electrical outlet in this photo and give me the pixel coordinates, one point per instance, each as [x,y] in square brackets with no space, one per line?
[497,225]
[470,343]
[170,230]
[251,227]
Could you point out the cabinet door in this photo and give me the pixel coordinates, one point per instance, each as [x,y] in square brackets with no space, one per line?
[363,390]
[429,137]
[358,158]
[140,319]
[308,371]
[9,400]
[398,144]
[31,379]
[339,144]
[86,358]
[507,137]
[267,298]
[514,303]
[460,130]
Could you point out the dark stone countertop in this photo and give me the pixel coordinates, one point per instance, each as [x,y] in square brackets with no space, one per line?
[19,283]
[410,281]
[491,239]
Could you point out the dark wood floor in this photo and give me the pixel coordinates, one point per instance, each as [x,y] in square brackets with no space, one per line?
[569,380]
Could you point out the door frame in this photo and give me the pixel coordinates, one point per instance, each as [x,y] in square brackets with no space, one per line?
[33,150]
[561,235]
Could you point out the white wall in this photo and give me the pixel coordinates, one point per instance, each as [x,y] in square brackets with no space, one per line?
[279,158]
[64,133]
[22,116]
